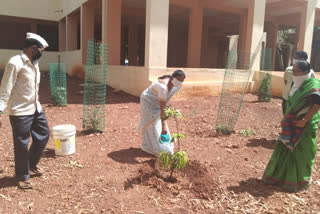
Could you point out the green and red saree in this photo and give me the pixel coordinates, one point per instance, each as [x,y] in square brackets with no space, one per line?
[292,170]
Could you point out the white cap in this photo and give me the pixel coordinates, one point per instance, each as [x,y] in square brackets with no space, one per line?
[38,38]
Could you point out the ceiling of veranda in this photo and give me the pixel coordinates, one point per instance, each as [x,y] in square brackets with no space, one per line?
[273,8]
[229,10]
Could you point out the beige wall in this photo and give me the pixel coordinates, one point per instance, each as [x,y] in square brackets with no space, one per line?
[69,57]
[199,82]
[48,57]
[130,79]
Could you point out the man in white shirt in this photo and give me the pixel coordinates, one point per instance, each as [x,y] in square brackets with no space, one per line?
[287,77]
[19,97]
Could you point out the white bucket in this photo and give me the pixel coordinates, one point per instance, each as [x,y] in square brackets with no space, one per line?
[64,139]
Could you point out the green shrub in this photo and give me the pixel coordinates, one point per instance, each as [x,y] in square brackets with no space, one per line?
[264,92]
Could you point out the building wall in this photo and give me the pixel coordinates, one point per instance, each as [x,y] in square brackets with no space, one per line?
[69,6]
[204,82]
[201,82]
[14,36]
[43,9]
[70,58]
[134,79]
[47,57]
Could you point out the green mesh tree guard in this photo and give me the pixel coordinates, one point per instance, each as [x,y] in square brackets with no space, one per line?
[235,83]
[264,91]
[58,84]
[1,75]
[266,59]
[95,87]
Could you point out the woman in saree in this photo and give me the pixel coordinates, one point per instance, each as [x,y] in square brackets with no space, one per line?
[153,101]
[292,160]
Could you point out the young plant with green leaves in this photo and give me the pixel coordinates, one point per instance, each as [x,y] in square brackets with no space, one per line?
[224,129]
[93,124]
[179,159]
[264,92]
[59,96]
[247,132]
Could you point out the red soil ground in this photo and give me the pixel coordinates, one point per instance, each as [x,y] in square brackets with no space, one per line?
[110,174]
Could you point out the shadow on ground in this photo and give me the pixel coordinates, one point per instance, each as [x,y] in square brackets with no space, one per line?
[7,182]
[49,153]
[254,187]
[262,142]
[129,156]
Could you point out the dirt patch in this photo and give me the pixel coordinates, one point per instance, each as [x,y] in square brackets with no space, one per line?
[193,179]
[110,174]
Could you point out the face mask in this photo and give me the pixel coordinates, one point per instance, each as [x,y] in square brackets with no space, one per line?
[294,61]
[298,81]
[36,54]
[176,83]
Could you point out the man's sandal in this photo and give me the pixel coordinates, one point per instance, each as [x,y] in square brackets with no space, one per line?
[36,171]
[24,185]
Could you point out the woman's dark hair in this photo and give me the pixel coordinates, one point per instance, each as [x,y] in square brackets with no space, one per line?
[302,55]
[303,66]
[177,73]
[31,42]
[165,77]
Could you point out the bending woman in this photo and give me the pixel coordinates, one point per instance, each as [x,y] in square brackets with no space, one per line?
[153,100]
[292,160]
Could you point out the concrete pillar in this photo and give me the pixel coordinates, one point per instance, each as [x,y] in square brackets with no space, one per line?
[306,26]
[87,27]
[133,43]
[255,25]
[111,29]
[205,43]
[233,42]
[195,36]
[156,42]
[242,32]
[296,39]
[273,43]
[72,23]
[62,35]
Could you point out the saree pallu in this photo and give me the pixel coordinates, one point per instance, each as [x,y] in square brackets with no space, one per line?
[150,123]
[292,170]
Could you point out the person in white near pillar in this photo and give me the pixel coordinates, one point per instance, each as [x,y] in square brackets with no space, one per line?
[153,100]
[19,97]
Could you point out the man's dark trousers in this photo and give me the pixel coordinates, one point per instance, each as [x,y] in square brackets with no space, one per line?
[35,125]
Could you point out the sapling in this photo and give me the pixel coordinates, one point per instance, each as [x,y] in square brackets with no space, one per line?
[179,159]
[247,132]
[94,122]
[59,96]
[264,92]
[224,129]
